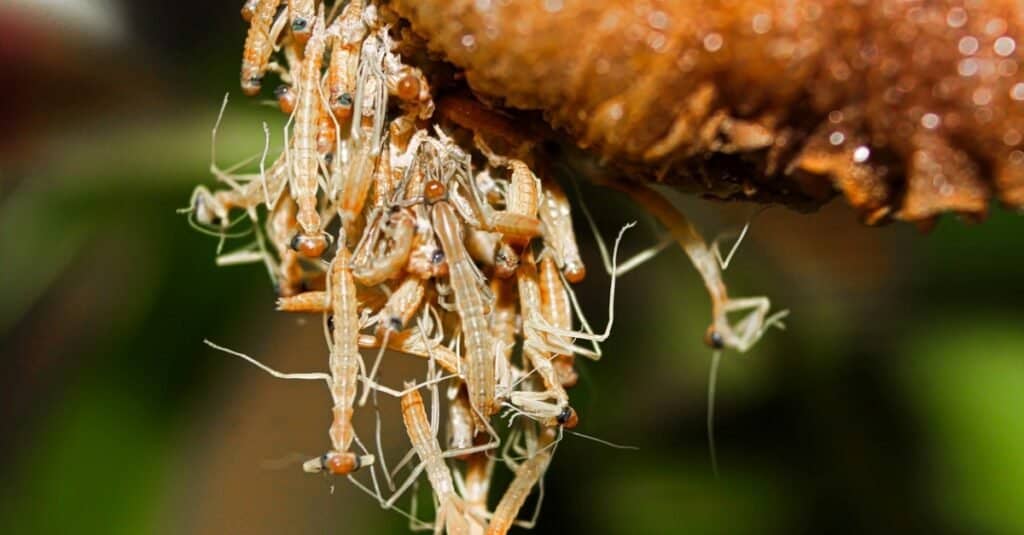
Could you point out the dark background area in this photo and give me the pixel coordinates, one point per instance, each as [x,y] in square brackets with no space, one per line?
[891,403]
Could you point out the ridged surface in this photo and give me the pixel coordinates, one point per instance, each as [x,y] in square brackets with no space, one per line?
[908,108]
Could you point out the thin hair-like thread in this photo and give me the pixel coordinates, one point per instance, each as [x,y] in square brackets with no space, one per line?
[716,359]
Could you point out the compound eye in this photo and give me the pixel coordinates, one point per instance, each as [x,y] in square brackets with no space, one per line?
[251,86]
[437,257]
[713,338]
[342,106]
[285,98]
[309,246]
[395,324]
[506,256]
[299,25]
[568,418]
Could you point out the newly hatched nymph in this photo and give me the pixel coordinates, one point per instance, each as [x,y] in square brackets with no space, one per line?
[469,301]
[559,235]
[345,362]
[721,334]
[451,510]
[303,156]
[342,69]
[557,311]
[352,180]
[551,406]
[265,26]
[528,474]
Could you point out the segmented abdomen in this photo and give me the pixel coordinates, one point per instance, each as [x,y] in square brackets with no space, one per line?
[306,157]
[417,426]
[258,46]
[480,374]
[344,360]
[527,475]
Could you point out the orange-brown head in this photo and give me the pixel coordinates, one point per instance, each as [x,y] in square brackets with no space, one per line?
[285,98]
[341,107]
[309,246]
[248,10]
[408,88]
[438,263]
[575,272]
[506,261]
[337,463]
[568,418]
[713,338]
[252,80]
[341,464]
[434,191]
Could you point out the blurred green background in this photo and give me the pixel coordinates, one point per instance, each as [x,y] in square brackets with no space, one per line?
[891,403]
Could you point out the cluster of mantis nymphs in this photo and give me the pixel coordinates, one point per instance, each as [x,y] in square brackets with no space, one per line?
[454,255]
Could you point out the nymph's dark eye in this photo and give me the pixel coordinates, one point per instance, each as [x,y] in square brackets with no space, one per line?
[567,418]
[714,339]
